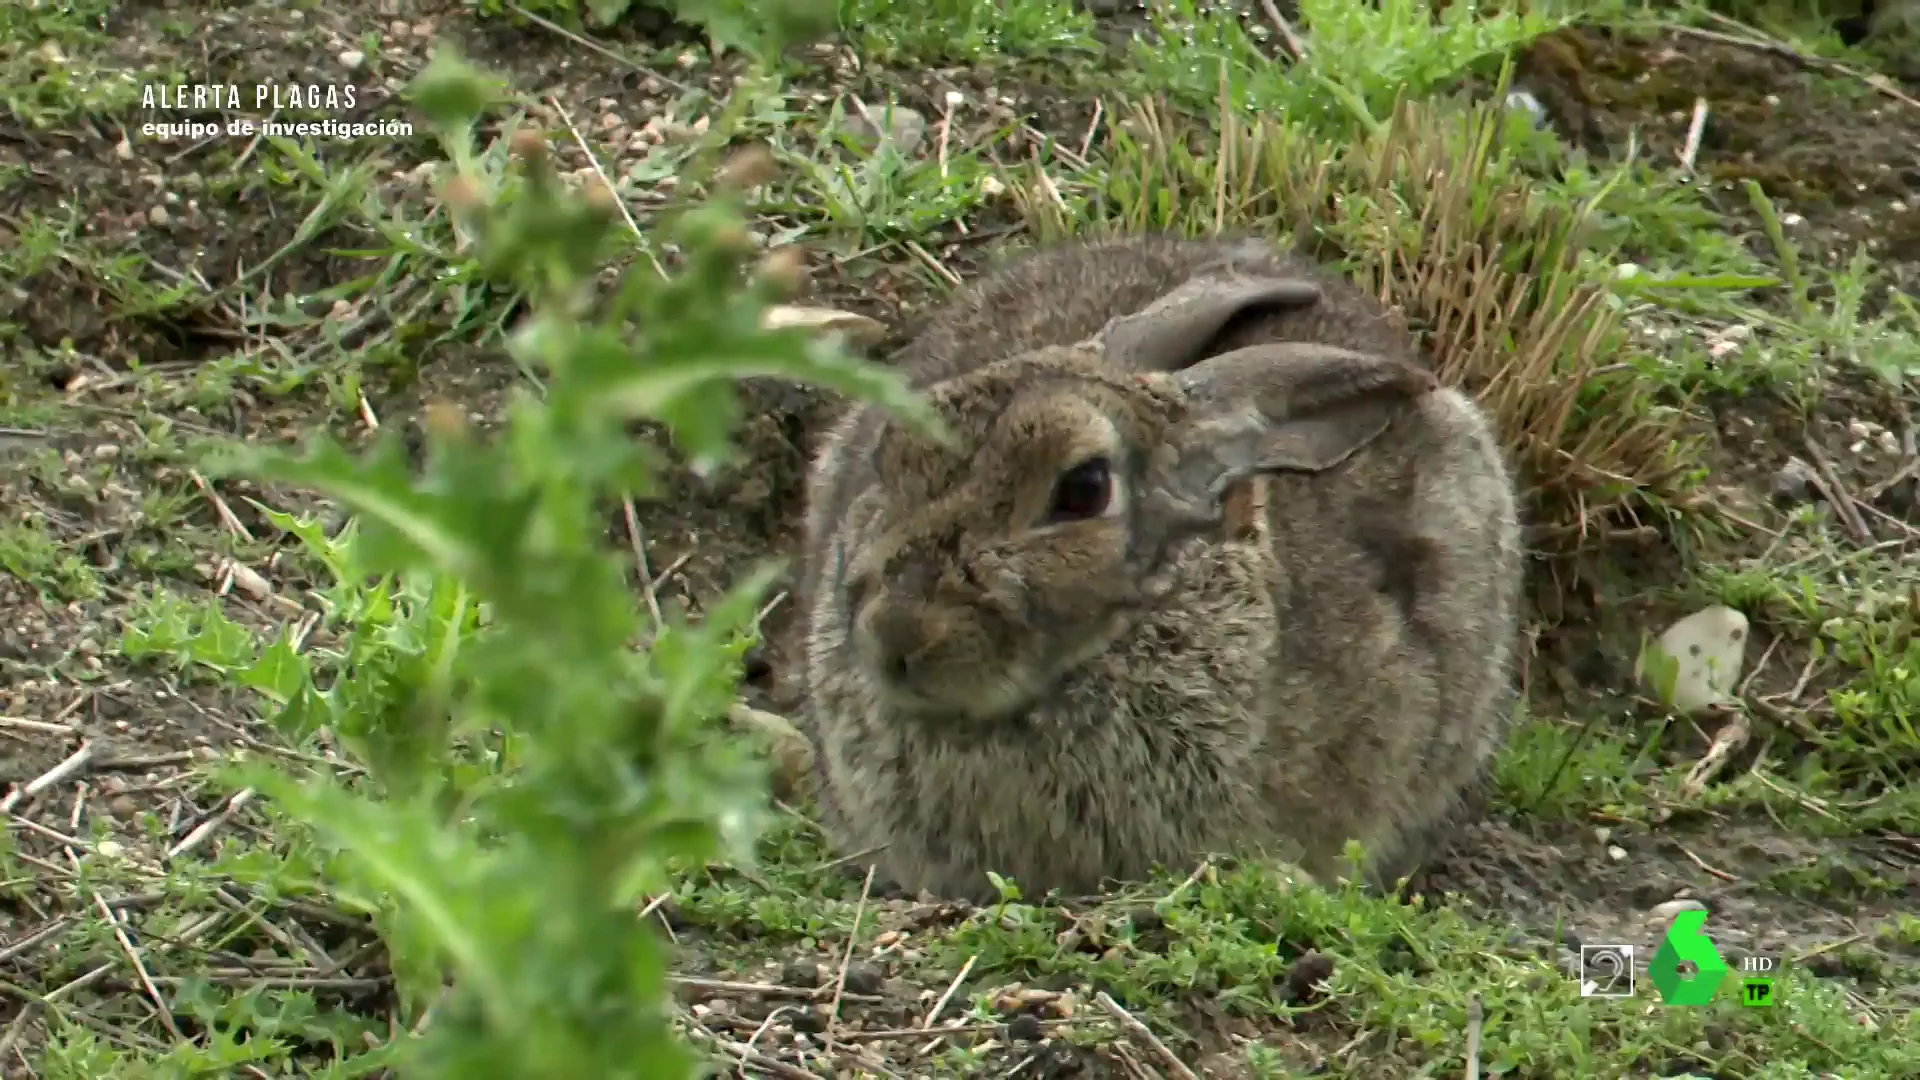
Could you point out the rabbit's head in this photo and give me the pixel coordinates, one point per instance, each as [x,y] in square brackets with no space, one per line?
[988,566]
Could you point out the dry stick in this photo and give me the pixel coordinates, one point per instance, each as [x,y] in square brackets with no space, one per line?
[853,938]
[36,725]
[1144,1034]
[1756,40]
[1836,495]
[1695,128]
[934,1013]
[1732,736]
[938,267]
[73,763]
[1287,34]
[1910,454]
[594,46]
[208,827]
[639,541]
[1198,872]
[1099,112]
[750,1056]
[946,135]
[220,506]
[1474,1020]
[139,968]
[619,203]
[772,990]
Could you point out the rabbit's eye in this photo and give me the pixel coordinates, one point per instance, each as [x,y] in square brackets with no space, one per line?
[1083,491]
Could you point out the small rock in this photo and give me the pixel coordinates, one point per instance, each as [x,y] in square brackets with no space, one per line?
[801,975]
[1697,661]
[1522,100]
[1899,499]
[1303,978]
[159,216]
[1793,483]
[864,978]
[1662,914]
[352,59]
[1026,1028]
[859,330]
[1616,853]
[905,128]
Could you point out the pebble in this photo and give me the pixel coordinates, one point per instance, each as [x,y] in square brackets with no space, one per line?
[1793,483]
[159,216]
[352,59]
[864,978]
[1667,912]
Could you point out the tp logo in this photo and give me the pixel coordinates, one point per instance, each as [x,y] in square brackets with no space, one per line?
[1686,944]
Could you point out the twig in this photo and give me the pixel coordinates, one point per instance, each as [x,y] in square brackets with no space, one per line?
[750,1056]
[1198,872]
[938,267]
[220,506]
[1751,38]
[639,541]
[1910,465]
[73,763]
[844,860]
[934,1013]
[1837,496]
[1702,864]
[208,827]
[771,990]
[140,969]
[1475,1017]
[946,132]
[840,979]
[1288,35]
[1144,1034]
[1695,128]
[593,161]
[1732,736]
[594,46]
[35,725]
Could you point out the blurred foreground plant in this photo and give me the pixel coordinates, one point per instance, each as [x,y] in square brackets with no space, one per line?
[528,774]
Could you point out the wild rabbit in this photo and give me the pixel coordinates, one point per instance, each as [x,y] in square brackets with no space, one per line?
[1160,597]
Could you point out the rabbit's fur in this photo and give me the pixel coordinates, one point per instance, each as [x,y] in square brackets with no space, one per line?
[1285,625]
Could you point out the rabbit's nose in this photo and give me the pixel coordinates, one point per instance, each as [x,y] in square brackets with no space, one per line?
[896,640]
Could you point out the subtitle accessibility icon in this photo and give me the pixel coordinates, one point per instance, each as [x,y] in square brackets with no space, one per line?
[1606,971]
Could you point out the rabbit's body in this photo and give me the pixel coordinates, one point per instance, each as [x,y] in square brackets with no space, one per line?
[1322,657]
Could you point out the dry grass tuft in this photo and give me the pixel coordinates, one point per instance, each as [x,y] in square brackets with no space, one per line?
[1433,218]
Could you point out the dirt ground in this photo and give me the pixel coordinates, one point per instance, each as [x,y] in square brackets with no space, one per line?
[106,370]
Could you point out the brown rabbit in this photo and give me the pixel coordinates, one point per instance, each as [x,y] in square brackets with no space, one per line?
[1043,651]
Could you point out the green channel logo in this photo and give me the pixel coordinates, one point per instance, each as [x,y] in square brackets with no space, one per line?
[1686,944]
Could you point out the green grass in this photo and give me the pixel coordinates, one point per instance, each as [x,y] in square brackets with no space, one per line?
[359,300]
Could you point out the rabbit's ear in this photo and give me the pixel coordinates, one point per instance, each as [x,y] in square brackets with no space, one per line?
[1180,328]
[1278,408]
